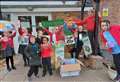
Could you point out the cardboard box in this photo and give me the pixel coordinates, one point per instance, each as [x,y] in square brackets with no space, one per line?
[70,69]
[71,73]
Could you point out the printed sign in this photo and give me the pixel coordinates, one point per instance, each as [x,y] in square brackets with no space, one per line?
[69,40]
[86,46]
[5,25]
[9,26]
[25,24]
[1,26]
[105,12]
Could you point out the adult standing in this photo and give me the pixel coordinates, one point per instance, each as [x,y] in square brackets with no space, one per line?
[89,24]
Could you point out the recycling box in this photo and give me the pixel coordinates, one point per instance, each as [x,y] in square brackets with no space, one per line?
[70,69]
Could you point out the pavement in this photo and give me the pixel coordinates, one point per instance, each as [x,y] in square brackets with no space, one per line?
[86,75]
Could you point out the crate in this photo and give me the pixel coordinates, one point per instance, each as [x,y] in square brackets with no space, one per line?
[70,69]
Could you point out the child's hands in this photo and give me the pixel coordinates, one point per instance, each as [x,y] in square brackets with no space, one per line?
[110,44]
[30,58]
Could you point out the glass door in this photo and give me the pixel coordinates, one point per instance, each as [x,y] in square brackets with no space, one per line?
[38,19]
[26,22]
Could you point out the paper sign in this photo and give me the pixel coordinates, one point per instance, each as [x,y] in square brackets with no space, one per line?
[1,26]
[5,25]
[9,26]
[87,46]
[16,23]
[69,40]
[105,12]
[25,24]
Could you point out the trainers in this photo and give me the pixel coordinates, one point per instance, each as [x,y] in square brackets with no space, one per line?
[14,68]
[43,75]
[9,69]
[29,79]
[40,66]
[37,76]
[51,74]
[117,78]
[25,65]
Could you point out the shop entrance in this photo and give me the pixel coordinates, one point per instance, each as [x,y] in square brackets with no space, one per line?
[29,21]
[38,19]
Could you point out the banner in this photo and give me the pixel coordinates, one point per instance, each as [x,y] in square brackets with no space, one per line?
[52,23]
[69,40]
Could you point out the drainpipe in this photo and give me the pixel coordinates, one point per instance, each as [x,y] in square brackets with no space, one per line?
[96,31]
[82,17]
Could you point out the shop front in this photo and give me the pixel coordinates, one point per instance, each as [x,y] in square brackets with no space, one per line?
[30,14]
[30,21]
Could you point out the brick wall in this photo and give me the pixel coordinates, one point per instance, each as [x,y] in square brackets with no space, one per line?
[63,15]
[114,10]
[113,6]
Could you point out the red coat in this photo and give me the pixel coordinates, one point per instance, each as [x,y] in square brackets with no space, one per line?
[115,31]
[46,50]
[9,41]
[21,32]
[89,23]
[59,34]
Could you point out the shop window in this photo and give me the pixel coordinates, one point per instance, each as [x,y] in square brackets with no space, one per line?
[39,19]
[25,21]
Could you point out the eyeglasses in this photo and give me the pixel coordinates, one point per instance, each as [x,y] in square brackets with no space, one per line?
[104,25]
[44,40]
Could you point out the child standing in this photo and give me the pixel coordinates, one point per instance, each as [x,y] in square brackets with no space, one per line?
[111,36]
[8,47]
[78,42]
[39,41]
[23,40]
[46,50]
[32,53]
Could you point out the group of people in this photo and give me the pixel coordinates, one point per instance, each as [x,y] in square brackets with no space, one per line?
[37,51]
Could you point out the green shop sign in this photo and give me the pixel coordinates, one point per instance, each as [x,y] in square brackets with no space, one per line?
[53,23]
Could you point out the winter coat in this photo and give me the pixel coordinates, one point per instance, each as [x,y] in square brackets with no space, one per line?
[32,53]
[115,32]
[10,41]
